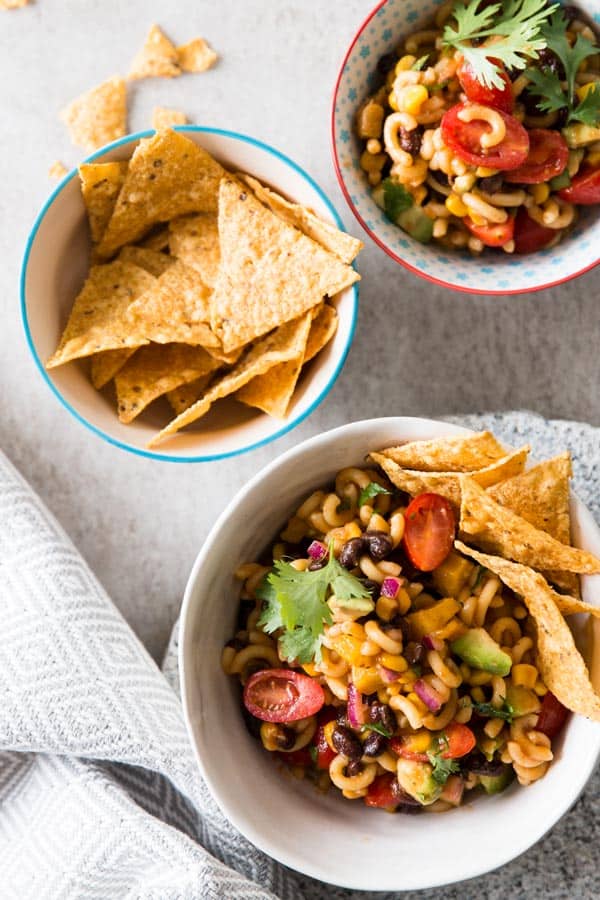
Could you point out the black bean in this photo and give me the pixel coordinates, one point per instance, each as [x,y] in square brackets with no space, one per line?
[491,184]
[371,586]
[318,563]
[386,63]
[382,714]
[571,13]
[375,744]
[285,738]
[547,59]
[410,141]
[351,552]
[341,717]
[414,653]
[346,743]
[353,767]
[378,543]
[477,763]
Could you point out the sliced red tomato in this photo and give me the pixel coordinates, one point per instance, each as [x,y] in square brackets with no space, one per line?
[300,757]
[428,531]
[406,746]
[584,188]
[464,138]
[500,98]
[384,792]
[529,235]
[325,754]
[454,741]
[552,717]
[548,157]
[282,695]
[461,740]
[494,234]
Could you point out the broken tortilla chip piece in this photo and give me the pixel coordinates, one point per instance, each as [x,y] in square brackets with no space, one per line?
[150,260]
[324,233]
[496,529]
[270,272]
[99,116]
[162,117]
[157,58]
[272,391]
[156,239]
[169,175]
[324,326]
[182,397]
[97,321]
[195,241]
[100,186]
[448,484]
[561,665]
[156,369]
[106,365]
[280,346]
[57,170]
[466,453]
[175,309]
[196,56]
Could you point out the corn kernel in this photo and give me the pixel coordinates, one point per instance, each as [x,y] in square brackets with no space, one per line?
[403,601]
[328,733]
[405,63]
[366,679]
[309,668]
[348,647]
[386,608]
[584,89]
[540,192]
[393,661]
[374,146]
[382,695]
[478,695]
[484,172]
[420,742]
[524,674]
[455,205]
[392,102]
[413,97]
[540,688]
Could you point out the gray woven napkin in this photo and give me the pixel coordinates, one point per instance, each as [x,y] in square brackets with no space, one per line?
[99,792]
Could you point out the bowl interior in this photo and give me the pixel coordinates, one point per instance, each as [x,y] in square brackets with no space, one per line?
[288,818]
[54,270]
[493,273]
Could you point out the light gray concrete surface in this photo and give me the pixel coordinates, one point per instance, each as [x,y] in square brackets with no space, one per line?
[418,349]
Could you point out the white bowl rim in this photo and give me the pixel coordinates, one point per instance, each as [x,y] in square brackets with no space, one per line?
[152,454]
[381,243]
[245,824]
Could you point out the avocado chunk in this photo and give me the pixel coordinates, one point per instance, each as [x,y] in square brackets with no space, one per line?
[416,778]
[579,135]
[481,651]
[399,207]
[416,223]
[560,181]
[495,784]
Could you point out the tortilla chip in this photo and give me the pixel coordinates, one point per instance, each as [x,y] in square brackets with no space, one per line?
[448,484]
[324,233]
[157,239]
[561,665]
[281,345]
[175,309]
[97,321]
[182,397]
[496,529]
[57,169]
[323,328]
[273,390]
[150,260]
[466,453]
[157,58]
[168,176]
[195,241]
[196,56]
[156,369]
[162,117]
[106,365]
[99,116]
[100,186]
[270,272]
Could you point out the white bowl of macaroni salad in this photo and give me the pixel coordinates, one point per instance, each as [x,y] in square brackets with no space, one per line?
[476,169]
[322,834]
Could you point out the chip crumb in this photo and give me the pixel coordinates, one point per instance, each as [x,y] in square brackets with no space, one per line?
[163,117]
[13,4]
[158,58]
[99,116]
[196,56]
[57,170]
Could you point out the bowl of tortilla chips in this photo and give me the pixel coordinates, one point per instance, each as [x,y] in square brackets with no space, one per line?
[188,294]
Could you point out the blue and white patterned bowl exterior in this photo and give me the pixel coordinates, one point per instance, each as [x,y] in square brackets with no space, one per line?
[491,273]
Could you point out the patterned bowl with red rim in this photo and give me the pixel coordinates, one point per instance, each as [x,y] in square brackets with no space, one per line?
[492,272]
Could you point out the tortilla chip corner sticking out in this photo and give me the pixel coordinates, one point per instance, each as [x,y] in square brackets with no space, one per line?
[290,272]
[183,396]
[496,529]
[162,117]
[157,58]
[169,175]
[105,365]
[100,186]
[196,56]
[458,453]
[324,326]
[561,665]
[99,116]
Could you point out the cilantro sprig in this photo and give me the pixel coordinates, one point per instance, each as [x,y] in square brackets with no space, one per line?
[371,491]
[442,768]
[555,93]
[516,27]
[295,603]
[505,711]
[379,729]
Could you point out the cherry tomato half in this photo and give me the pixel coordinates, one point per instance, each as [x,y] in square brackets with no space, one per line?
[385,792]
[493,234]
[324,752]
[548,157]
[584,188]
[464,138]
[282,695]
[500,98]
[428,531]
[454,741]
[529,235]
[552,717]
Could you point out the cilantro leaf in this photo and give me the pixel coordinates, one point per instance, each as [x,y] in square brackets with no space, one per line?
[270,619]
[300,644]
[486,709]
[548,87]
[442,768]
[375,726]
[588,111]
[371,490]
[396,199]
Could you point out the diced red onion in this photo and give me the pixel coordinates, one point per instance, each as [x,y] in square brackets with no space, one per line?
[453,790]
[432,642]
[357,709]
[428,695]
[390,587]
[317,550]
[388,675]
